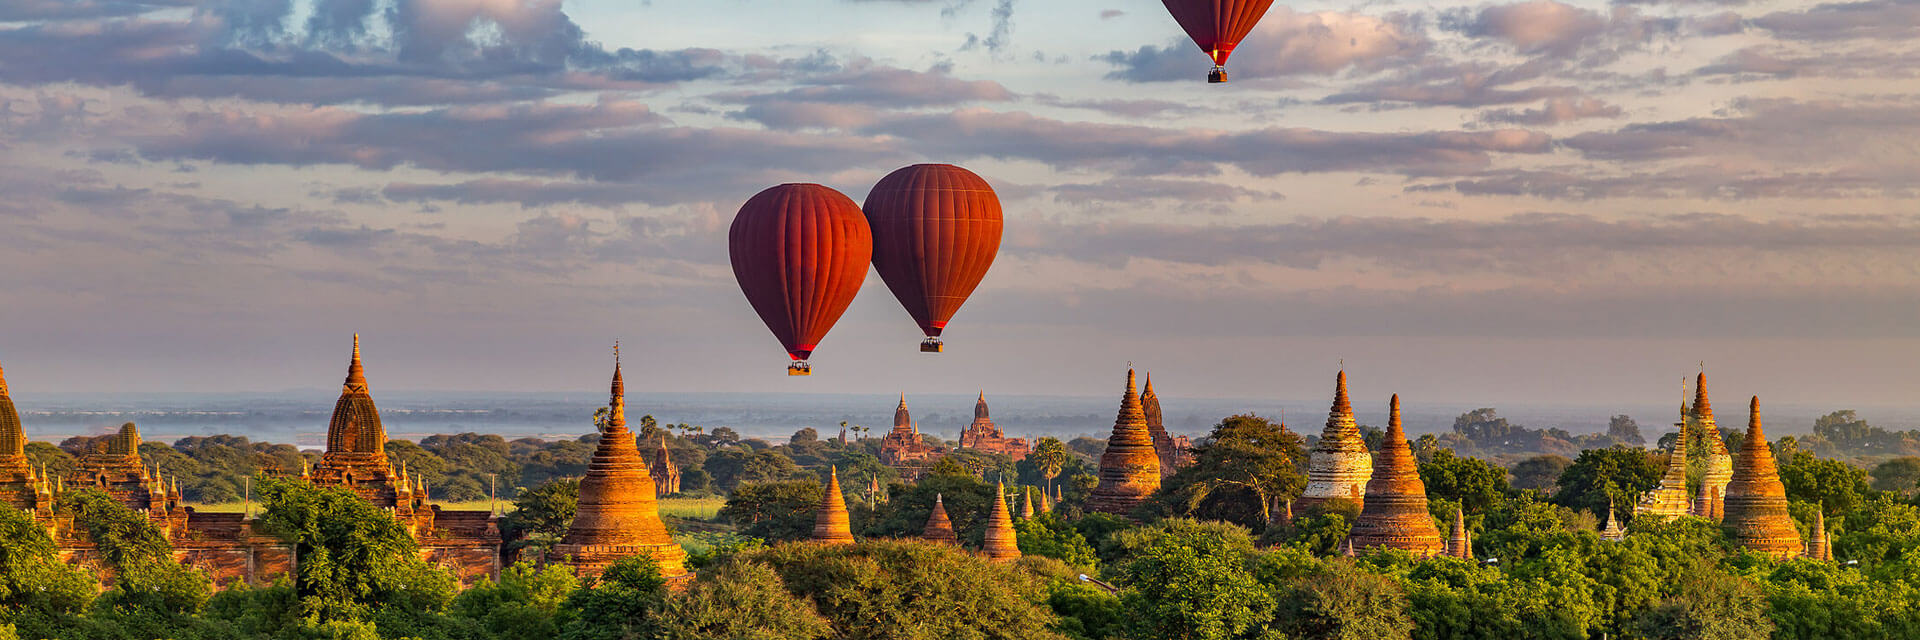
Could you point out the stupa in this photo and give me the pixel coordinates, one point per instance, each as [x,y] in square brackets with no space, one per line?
[1026,502]
[1719,463]
[1818,546]
[1130,468]
[618,516]
[20,485]
[1000,544]
[1669,498]
[1163,444]
[1395,512]
[665,474]
[1756,511]
[832,525]
[1461,544]
[1338,466]
[1612,531]
[939,528]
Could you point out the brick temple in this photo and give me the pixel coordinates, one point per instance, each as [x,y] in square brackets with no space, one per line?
[984,435]
[903,448]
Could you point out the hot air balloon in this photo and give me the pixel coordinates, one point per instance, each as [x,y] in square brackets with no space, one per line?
[936,229]
[1217,26]
[800,253]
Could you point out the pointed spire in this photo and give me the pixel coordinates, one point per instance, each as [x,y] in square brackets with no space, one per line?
[832,525]
[3,382]
[1612,531]
[980,407]
[1339,465]
[1348,550]
[1000,544]
[1026,502]
[356,374]
[1670,498]
[1130,467]
[1458,545]
[939,528]
[1702,408]
[618,515]
[1395,511]
[1044,504]
[1818,548]
[1756,501]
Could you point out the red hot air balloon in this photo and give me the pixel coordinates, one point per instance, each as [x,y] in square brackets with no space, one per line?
[800,252]
[1217,26]
[936,230]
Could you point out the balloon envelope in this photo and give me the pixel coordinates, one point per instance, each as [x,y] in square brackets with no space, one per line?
[1217,25]
[936,230]
[800,253]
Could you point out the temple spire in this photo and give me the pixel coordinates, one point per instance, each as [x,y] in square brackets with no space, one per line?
[1000,543]
[1130,467]
[1756,501]
[1458,545]
[356,374]
[618,516]
[1395,512]
[939,528]
[1339,465]
[1818,547]
[832,525]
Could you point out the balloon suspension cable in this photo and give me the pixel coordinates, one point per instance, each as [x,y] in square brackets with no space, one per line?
[932,345]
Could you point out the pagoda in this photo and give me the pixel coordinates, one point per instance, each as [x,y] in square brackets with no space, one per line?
[939,528]
[666,474]
[1461,544]
[903,449]
[1000,543]
[1818,546]
[20,485]
[1612,531]
[832,525]
[984,435]
[1395,512]
[1756,511]
[1711,502]
[1338,467]
[356,455]
[114,466]
[1172,451]
[1669,498]
[618,516]
[1130,468]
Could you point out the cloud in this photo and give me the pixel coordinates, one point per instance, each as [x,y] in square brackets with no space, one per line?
[1893,20]
[1465,84]
[854,96]
[1765,62]
[1558,30]
[1702,182]
[1180,192]
[1788,132]
[1555,111]
[1109,14]
[1286,43]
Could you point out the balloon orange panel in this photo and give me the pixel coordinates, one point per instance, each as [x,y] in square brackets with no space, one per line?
[936,230]
[800,253]
[1217,26]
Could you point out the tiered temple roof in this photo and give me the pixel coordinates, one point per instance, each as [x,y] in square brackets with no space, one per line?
[939,528]
[1000,544]
[1756,511]
[1338,467]
[20,485]
[902,448]
[1669,498]
[1130,468]
[984,435]
[832,525]
[665,474]
[1395,512]
[618,516]
[1711,502]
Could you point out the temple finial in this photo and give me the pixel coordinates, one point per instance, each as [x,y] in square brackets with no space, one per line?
[356,374]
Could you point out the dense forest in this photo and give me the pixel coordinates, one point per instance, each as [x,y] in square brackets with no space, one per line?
[1206,558]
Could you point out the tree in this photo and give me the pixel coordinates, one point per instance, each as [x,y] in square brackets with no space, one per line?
[1189,580]
[740,600]
[1539,473]
[353,558]
[804,436]
[1899,474]
[1049,455]
[1710,606]
[775,511]
[1345,602]
[1836,485]
[33,580]
[1623,430]
[912,591]
[1048,535]
[1241,473]
[733,468]
[525,603]
[1474,483]
[541,515]
[1600,477]
[624,602]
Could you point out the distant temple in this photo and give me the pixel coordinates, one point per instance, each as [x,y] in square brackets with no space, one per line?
[1338,467]
[1174,451]
[1612,531]
[666,474]
[1711,502]
[1395,512]
[1130,468]
[617,515]
[984,435]
[903,448]
[1756,511]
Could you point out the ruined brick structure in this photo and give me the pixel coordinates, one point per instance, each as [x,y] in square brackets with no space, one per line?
[1130,468]
[1174,451]
[1460,544]
[618,516]
[984,435]
[1711,502]
[1756,512]
[1395,512]
[1338,466]
[666,474]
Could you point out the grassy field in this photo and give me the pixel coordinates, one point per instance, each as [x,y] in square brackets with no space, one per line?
[688,508]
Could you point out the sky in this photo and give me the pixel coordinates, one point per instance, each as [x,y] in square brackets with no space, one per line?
[1528,201]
